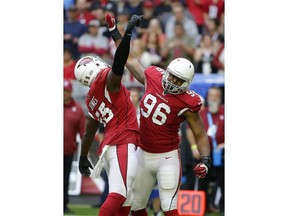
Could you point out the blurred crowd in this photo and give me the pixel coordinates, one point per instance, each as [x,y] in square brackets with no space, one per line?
[193,29]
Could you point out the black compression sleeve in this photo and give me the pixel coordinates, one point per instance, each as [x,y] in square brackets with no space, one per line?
[121,55]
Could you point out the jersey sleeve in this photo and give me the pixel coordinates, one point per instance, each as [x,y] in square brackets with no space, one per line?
[153,71]
[193,101]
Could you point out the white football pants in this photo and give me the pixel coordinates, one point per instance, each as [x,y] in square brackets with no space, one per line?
[120,164]
[166,168]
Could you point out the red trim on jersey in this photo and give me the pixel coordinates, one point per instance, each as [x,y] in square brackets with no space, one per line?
[179,183]
[122,155]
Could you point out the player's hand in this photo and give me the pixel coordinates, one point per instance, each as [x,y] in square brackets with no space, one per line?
[134,21]
[201,169]
[84,165]
[110,21]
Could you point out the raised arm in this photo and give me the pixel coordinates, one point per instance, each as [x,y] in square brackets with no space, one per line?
[132,64]
[121,55]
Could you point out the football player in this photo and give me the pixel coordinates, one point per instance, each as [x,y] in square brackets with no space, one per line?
[109,103]
[166,103]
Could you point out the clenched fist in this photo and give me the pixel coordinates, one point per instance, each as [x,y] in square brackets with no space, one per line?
[134,21]
[201,169]
[84,165]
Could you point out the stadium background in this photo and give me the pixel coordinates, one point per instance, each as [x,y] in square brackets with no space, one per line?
[83,190]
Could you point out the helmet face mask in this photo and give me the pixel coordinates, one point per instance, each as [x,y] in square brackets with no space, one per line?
[182,69]
[87,68]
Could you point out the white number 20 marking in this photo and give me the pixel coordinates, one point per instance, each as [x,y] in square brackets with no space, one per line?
[149,103]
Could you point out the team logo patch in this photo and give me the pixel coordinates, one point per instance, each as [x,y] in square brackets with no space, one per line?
[85,61]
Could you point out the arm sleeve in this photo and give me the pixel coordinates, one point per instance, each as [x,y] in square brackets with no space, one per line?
[121,55]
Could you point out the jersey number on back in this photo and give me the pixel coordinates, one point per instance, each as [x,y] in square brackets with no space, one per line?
[158,117]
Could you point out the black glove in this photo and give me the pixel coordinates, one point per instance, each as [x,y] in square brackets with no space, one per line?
[84,165]
[134,21]
[207,161]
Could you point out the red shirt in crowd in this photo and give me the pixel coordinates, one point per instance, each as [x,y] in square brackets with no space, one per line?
[69,71]
[196,9]
[218,120]
[74,123]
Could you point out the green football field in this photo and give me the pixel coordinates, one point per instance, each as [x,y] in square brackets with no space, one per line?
[79,210]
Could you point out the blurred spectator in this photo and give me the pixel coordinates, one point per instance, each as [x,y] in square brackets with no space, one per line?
[148,14]
[154,41]
[180,45]
[221,28]
[135,94]
[214,9]
[138,50]
[134,7]
[99,12]
[74,123]
[93,43]
[214,122]
[69,64]
[203,56]
[163,10]
[151,55]
[219,59]
[67,5]
[73,29]
[179,15]
[84,15]
[211,28]
[163,7]
[110,6]
[197,8]
[154,27]
[123,17]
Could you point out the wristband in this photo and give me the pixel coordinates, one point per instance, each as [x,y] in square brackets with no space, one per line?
[206,160]
[116,35]
[193,147]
